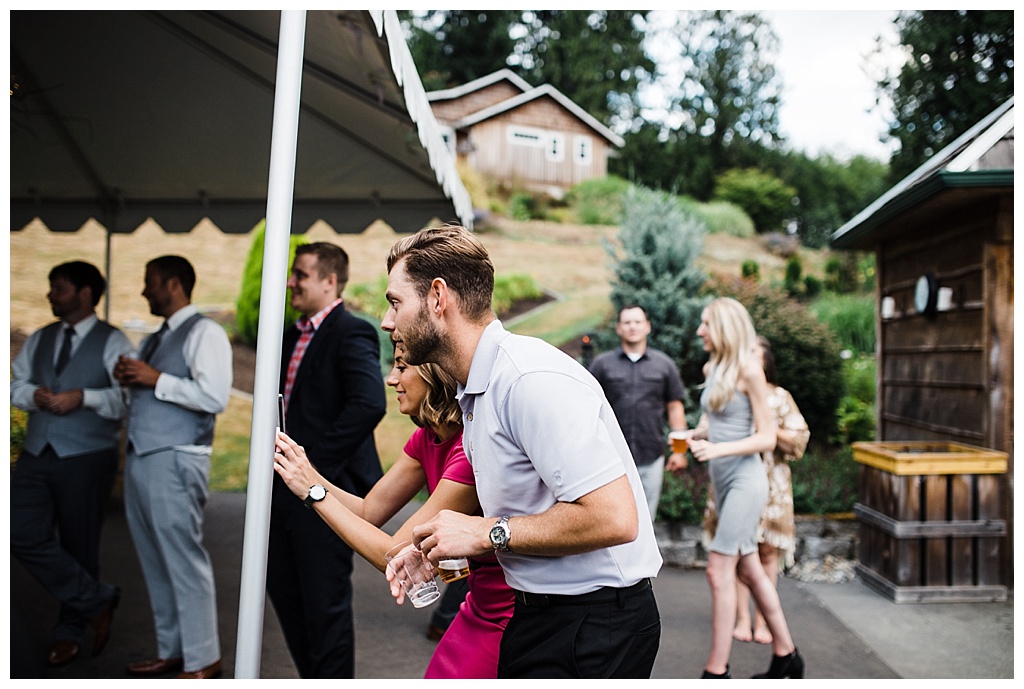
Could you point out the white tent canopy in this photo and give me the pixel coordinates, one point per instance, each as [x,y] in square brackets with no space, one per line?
[122,116]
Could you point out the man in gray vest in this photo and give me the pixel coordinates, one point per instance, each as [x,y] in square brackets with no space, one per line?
[63,378]
[179,383]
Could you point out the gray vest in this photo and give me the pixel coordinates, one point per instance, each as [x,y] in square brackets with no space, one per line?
[157,425]
[82,431]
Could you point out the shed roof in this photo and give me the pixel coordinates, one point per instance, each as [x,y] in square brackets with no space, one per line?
[529,94]
[980,161]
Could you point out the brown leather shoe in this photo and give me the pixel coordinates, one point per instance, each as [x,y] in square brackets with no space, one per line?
[154,666]
[211,671]
[434,633]
[62,652]
[101,623]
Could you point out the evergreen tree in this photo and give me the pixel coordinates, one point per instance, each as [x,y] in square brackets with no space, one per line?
[655,265]
[959,68]
[595,57]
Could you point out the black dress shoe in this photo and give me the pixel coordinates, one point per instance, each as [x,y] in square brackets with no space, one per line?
[712,675]
[101,623]
[154,666]
[62,652]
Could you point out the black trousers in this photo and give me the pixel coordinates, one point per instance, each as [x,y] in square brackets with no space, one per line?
[616,638]
[309,582]
[57,511]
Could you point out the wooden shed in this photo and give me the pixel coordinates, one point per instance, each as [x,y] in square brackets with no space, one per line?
[521,136]
[943,241]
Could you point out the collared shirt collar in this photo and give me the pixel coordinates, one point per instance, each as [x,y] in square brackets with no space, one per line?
[83,326]
[320,315]
[483,359]
[180,316]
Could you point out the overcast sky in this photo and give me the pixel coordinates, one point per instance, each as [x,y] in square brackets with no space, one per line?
[828,91]
[828,97]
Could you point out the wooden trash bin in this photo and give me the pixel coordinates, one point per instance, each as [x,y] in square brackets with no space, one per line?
[932,521]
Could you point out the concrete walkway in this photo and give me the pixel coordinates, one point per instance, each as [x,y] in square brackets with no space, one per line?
[843,630]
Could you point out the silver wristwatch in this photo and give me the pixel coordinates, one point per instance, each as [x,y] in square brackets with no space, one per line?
[316,494]
[500,533]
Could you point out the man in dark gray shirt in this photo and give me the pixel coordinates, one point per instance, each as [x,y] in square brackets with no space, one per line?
[643,386]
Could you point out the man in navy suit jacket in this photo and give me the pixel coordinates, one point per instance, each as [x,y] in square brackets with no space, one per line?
[334,398]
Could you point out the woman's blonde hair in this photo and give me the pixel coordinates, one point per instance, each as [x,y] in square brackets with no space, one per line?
[733,339]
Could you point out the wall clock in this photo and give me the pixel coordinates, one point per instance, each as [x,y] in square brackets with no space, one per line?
[926,294]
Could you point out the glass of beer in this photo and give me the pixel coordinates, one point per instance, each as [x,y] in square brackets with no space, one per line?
[453,570]
[678,440]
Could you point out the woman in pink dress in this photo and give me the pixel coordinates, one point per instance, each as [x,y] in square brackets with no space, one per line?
[433,459]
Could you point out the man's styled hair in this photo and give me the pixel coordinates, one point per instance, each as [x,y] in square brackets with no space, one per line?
[454,254]
[330,258]
[627,307]
[168,267]
[81,274]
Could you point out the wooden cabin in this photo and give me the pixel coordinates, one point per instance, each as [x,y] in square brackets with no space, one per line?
[943,242]
[521,136]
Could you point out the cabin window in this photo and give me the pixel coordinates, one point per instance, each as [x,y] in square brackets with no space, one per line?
[583,150]
[556,148]
[528,136]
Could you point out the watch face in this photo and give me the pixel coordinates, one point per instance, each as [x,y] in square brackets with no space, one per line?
[317,493]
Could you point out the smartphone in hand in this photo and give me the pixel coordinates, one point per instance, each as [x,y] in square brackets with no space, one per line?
[280,413]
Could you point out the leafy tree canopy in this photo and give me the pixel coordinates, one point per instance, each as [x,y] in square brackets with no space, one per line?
[959,67]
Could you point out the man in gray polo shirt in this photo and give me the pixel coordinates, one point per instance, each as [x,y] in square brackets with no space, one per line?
[643,385]
[558,487]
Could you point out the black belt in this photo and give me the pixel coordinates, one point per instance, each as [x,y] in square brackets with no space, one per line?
[605,594]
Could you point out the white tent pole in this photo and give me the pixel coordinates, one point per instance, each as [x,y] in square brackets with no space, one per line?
[268,343]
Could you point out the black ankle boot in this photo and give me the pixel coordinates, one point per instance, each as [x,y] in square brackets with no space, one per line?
[785,667]
[711,675]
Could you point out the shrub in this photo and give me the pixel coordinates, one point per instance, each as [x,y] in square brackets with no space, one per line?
[598,201]
[750,269]
[684,496]
[842,273]
[721,217]
[247,308]
[855,417]
[765,198]
[812,286]
[851,317]
[824,481]
[19,426]
[794,270]
[509,289]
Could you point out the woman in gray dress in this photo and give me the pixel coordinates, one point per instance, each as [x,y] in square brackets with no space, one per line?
[740,427]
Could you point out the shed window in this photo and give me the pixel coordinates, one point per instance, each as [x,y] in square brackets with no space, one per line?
[527,136]
[556,148]
[583,150]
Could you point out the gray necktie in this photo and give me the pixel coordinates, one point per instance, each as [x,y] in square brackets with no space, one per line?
[153,343]
[65,350]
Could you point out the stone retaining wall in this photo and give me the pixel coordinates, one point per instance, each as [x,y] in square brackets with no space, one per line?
[826,547]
